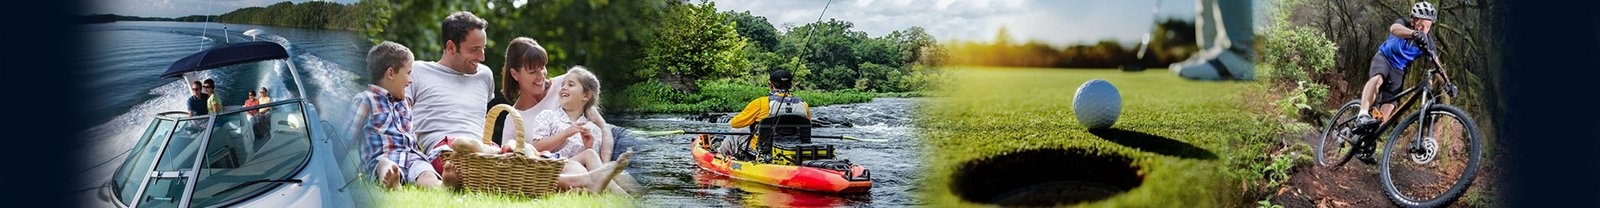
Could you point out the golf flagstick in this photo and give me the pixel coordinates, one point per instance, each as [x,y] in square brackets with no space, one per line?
[672,132]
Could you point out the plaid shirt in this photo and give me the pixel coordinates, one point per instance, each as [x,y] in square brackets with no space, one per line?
[385,128]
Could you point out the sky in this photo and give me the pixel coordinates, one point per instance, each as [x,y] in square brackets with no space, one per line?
[178,8]
[1055,22]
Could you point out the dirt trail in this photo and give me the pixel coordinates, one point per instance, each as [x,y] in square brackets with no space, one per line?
[1357,184]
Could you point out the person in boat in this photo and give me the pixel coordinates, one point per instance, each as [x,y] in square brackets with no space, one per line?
[197,100]
[214,101]
[262,98]
[388,144]
[781,100]
[263,122]
[250,101]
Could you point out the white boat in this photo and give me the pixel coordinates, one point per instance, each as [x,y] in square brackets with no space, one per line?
[281,157]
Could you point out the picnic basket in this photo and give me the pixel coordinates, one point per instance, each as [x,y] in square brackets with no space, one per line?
[514,173]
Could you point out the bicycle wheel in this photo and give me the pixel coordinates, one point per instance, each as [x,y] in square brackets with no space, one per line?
[1333,148]
[1431,158]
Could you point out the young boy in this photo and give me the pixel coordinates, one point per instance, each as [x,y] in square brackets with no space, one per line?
[389,149]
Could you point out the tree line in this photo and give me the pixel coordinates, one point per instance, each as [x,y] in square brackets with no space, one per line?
[315,14]
[1172,40]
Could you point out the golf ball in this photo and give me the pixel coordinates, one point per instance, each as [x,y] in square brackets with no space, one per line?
[1097,104]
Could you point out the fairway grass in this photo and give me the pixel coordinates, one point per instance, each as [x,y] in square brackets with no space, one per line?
[410,196]
[1183,137]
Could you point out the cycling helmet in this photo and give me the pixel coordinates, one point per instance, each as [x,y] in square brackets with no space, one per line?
[1423,10]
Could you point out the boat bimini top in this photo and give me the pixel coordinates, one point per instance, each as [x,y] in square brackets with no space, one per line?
[266,155]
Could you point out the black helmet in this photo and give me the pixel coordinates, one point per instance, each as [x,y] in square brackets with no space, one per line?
[1423,10]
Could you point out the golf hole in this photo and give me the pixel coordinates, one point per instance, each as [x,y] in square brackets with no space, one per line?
[1044,177]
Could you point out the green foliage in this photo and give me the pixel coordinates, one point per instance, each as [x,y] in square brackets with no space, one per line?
[695,42]
[1295,53]
[724,96]
[1267,203]
[1306,99]
[602,35]
[1278,171]
[315,14]
[796,68]
[834,77]
[756,29]
[1302,56]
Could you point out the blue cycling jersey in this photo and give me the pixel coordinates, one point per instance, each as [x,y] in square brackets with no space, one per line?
[1400,51]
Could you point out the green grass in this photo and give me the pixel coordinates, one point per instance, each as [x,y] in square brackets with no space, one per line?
[727,96]
[409,196]
[985,112]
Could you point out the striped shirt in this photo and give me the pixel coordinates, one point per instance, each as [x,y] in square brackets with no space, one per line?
[386,129]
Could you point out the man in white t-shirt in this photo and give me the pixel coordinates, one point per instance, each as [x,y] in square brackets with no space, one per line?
[448,95]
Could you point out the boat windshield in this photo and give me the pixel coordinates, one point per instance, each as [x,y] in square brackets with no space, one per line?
[246,153]
[218,159]
[234,154]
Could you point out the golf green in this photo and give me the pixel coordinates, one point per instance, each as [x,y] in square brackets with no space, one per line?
[999,134]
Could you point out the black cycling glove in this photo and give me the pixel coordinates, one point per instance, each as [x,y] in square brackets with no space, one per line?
[1421,38]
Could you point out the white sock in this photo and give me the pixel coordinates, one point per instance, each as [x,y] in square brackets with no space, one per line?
[1364,113]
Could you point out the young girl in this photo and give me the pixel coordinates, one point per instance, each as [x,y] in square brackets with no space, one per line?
[525,66]
[565,131]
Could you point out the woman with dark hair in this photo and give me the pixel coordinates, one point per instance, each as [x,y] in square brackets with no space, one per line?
[527,86]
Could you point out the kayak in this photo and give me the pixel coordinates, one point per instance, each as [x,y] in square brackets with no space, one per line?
[830,176]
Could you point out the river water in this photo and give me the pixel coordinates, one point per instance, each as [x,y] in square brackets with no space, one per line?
[663,164]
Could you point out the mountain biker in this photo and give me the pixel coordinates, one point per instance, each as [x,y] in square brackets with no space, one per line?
[1406,42]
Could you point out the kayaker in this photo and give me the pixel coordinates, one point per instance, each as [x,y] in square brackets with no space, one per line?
[780,101]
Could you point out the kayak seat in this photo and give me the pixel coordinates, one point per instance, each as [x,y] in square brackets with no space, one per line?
[783,128]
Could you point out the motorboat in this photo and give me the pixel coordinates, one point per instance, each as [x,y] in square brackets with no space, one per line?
[276,154]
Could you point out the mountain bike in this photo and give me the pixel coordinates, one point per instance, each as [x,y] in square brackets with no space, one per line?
[1431,156]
